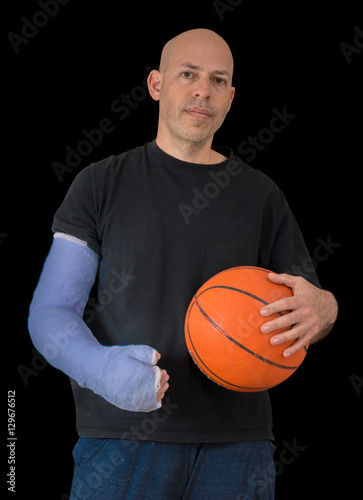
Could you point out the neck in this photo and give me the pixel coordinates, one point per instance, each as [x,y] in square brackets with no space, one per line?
[201,153]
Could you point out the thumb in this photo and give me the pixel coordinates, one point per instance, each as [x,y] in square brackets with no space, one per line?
[145,354]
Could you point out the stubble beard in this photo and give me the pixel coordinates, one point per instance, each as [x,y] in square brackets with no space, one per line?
[189,133]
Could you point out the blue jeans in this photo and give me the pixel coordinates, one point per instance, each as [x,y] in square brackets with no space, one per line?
[113,469]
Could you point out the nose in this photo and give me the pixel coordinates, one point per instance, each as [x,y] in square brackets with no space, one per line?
[202,89]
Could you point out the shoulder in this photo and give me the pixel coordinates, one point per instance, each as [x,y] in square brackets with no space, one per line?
[109,170]
[253,175]
[254,187]
[114,164]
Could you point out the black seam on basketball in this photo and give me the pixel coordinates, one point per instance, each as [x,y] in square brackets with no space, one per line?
[245,267]
[253,389]
[222,332]
[214,374]
[244,292]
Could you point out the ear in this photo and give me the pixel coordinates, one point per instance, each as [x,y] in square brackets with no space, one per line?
[233,91]
[154,84]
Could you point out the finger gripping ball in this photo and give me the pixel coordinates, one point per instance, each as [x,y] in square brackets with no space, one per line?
[223,336]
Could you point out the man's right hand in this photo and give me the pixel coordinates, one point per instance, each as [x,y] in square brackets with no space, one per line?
[163,383]
[131,380]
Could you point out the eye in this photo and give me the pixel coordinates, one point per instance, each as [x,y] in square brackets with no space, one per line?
[187,74]
[220,81]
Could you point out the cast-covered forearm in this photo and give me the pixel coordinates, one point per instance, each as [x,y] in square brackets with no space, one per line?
[126,376]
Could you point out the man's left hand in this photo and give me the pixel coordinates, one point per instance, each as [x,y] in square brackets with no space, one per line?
[312,313]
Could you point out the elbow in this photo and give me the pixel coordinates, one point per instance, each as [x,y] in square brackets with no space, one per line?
[49,327]
[37,325]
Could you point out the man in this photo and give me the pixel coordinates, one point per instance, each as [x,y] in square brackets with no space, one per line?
[135,237]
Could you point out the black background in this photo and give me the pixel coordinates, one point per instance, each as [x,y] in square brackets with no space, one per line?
[65,79]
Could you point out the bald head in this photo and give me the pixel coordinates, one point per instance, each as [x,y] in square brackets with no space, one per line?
[194,90]
[206,40]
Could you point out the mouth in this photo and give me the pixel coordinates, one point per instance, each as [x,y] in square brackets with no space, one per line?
[198,113]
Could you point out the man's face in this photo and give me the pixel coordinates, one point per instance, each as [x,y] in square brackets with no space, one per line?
[196,91]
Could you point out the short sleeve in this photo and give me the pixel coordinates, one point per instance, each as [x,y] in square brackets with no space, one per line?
[282,246]
[289,252]
[77,215]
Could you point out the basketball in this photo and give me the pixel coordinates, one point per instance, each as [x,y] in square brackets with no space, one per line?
[222,331]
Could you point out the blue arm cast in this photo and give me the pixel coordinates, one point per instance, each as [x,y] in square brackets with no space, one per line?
[125,376]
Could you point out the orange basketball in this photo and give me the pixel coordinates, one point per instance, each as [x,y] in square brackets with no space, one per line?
[222,331]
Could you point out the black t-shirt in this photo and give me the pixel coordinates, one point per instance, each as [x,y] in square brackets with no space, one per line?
[161,228]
